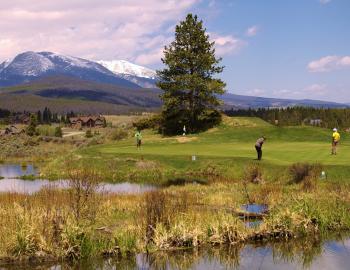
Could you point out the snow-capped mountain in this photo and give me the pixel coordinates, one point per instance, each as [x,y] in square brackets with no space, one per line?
[29,66]
[5,64]
[142,76]
[127,68]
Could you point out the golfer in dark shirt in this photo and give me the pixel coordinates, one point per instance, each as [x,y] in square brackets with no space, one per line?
[258,146]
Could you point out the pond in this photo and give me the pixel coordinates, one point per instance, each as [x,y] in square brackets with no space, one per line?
[16,170]
[286,255]
[11,182]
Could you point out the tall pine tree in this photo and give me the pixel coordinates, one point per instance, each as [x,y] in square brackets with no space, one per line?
[189,87]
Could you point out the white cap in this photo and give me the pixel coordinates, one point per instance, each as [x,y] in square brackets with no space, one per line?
[334,129]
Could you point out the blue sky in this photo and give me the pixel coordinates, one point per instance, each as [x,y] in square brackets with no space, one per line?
[290,35]
[274,48]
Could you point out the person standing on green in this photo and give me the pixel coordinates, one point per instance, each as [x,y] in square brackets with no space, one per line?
[138,137]
[258,146]
[335,141]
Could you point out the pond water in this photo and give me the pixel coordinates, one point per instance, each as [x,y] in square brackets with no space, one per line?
[16,170]
[286,255]
[255,208]
[11,183]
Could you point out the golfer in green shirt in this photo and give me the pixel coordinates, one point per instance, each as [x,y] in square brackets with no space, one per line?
[138,137]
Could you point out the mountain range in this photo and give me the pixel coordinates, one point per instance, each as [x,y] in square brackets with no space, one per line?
[33,80]
[29,66]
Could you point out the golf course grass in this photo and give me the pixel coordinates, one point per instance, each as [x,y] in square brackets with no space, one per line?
[230,148]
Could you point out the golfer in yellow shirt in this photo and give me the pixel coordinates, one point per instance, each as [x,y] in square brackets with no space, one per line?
[335,141]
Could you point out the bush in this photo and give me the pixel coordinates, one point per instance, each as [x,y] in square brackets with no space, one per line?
[299,172]
[148,123]
[58,132]
[83,183]
[253,173]
[118,134]
[161,207]
[31,128]
[88,134]
[46,130]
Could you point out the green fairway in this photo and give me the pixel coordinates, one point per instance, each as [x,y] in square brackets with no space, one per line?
[283,145]
[231,147]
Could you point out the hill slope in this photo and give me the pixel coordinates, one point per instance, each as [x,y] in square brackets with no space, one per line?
[62,93]
[240,101]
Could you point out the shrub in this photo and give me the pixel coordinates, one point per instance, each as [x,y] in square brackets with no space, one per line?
[301,171]
[88,134]
[83,183]
[46,130]
[58,132]
[309,183]
[148,123]
[161,207]
[118,134]
[253,173]
[31,128]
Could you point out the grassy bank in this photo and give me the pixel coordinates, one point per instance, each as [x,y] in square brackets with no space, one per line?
[45,225]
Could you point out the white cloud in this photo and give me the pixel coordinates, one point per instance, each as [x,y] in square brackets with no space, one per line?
[226,44]
[150,57]
[329,63]
[285,93]
[252,31]
[325,1]
[256,92]
[97,29]
[316,88]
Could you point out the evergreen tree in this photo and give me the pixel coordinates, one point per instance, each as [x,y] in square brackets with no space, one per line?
[189,88]
[39,117]
[31,129]
[49,116]
[63,119]
[45,116]
[58,132]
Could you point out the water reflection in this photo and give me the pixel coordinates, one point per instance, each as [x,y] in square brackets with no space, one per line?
[33,186]
[11,183]
[16,170]
[294,254]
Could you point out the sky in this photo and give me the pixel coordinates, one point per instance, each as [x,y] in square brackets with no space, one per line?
[273,48]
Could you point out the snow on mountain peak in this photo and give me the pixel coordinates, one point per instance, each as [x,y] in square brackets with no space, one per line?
[71,61]
[122,67]
[5,64]
[30,64]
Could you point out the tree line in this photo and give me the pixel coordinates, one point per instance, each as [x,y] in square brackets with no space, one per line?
[47,117]
[294,116]
[42,117]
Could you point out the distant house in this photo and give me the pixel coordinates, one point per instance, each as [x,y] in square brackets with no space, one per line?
[11,130]
[315,122]
[86,121]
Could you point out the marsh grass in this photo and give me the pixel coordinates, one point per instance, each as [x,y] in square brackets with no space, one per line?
[160,209]
[44,224]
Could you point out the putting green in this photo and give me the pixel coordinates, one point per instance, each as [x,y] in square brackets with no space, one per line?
[235,138]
